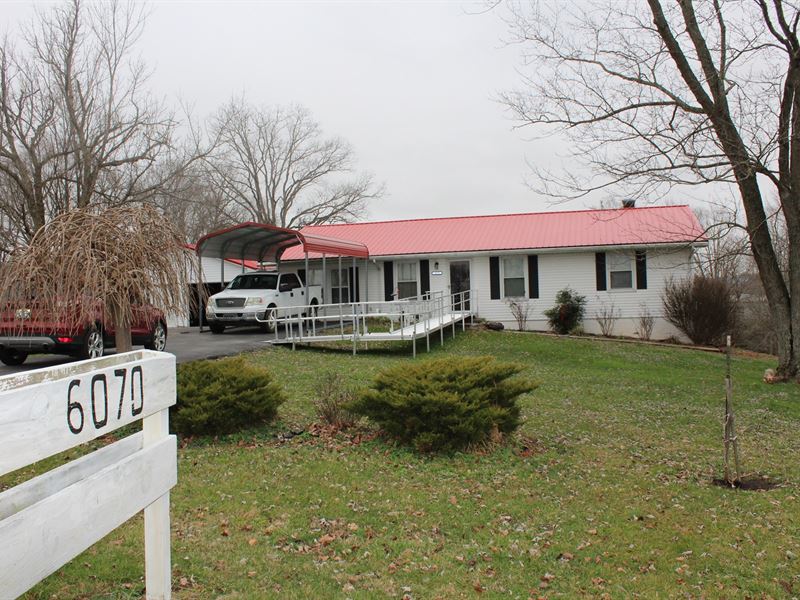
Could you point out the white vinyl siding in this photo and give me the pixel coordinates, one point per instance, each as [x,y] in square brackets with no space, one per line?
[575,269]
[513,274]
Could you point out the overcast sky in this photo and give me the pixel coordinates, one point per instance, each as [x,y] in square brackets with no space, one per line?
[411,85]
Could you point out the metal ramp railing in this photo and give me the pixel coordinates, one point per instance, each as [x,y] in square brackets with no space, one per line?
[404,320]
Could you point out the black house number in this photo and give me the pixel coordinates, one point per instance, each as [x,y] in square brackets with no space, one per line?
[97,403]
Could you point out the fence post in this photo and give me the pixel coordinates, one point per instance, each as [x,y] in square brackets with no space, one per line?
[157,560]
[428,317]
[355,329]
[441,320]
[463,311]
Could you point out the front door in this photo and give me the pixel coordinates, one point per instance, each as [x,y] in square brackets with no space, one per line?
[459,281]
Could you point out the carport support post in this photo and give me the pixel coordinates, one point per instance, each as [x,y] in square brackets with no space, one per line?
[354,285]
[324,279]
[366,301]
[339,283]
[200,289]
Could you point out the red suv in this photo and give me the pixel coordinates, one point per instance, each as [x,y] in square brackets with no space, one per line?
[23,331]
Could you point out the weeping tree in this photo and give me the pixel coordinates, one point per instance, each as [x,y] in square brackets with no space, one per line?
[114,260]
[664,93]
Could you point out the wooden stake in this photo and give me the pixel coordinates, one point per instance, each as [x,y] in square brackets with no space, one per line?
[729,429]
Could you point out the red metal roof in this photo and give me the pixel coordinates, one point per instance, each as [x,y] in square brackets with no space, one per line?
[529,231]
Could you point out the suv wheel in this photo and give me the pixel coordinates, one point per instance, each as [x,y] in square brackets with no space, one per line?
[216,327]
[158,341]
[93,346]
[12,358]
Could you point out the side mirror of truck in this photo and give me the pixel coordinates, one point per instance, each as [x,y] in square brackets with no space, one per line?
[285,287]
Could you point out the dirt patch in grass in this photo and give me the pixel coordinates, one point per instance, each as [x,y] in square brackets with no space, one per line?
[528,447]
[749,483]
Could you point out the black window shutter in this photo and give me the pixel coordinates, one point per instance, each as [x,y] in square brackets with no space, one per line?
[388,280]
[301,273]
[424,276]
[641,270]
[533,276]
[355,293]
[494,277]
[600,270]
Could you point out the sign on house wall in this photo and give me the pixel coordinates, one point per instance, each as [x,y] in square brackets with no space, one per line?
[48,520]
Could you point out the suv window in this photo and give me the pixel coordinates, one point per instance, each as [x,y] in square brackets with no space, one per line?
[291,281]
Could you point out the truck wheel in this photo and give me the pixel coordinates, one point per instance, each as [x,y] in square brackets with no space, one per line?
[271,318]
[93,346]
[12,358]
[216,327]
[158,341]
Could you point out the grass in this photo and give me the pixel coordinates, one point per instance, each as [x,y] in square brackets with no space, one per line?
[616,500]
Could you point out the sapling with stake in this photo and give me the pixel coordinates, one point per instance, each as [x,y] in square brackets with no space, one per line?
[729,429]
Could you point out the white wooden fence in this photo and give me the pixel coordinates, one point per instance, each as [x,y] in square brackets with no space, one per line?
[48,520]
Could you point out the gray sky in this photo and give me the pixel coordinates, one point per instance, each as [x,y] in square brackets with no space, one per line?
[411,85]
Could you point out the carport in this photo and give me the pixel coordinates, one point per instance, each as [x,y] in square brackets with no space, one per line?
[264,243]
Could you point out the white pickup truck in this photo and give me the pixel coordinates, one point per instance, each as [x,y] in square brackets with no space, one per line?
[259,298]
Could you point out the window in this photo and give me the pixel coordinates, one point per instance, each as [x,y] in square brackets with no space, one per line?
[406,280]
[289,282]
[513,277]
[340,291]
[315,277]
[620,271]
[254,282]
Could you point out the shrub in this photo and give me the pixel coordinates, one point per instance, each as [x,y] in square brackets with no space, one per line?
[519,307]
[332,400]
[607,319]
[568,312]
[646,323]
[445,404]
[224,396]
[703,308]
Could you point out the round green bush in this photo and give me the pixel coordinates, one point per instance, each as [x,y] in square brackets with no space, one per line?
[445,404]
[224,396]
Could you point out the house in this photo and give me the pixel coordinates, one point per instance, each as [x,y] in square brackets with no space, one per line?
[619,259]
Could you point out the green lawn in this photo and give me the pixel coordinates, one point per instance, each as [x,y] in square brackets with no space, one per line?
[616,500]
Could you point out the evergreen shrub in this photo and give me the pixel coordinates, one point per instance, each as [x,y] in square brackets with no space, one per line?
[224,396]
[568,312]
[445,404]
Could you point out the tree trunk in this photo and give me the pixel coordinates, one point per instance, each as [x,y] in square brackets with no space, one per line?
[122,330]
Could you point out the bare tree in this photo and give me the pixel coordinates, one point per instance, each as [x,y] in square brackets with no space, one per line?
[662,94]
[77,126]
[727,255]
[275,166]
[124,256]
[194,205]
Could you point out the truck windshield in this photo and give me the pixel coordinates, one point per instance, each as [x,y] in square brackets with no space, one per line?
[254,282]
